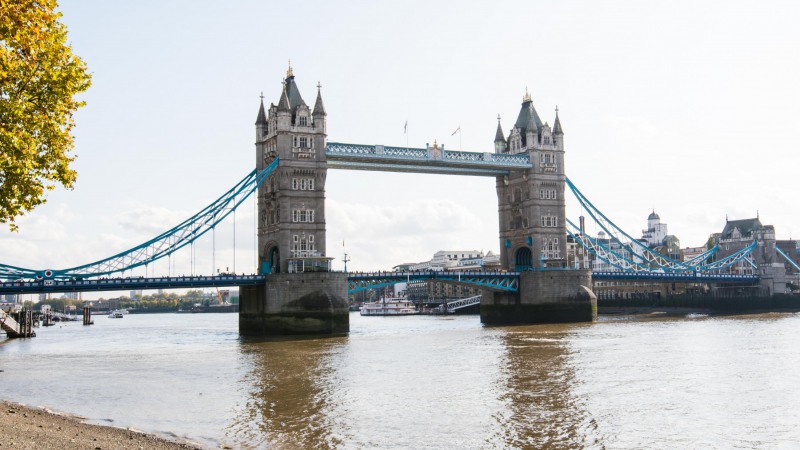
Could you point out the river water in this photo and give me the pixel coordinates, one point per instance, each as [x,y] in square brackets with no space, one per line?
[425,382]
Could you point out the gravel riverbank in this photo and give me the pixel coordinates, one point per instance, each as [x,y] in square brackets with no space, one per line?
[23,427]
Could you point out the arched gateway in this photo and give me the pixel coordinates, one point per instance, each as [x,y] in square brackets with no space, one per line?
[302,296]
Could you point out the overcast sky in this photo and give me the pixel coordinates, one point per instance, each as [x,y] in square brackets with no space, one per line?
[686,107]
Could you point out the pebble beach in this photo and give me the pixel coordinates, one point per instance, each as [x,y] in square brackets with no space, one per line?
[24,427]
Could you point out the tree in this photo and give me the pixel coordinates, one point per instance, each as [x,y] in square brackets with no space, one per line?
[39,78]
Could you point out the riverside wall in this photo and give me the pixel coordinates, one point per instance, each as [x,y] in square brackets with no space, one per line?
[743,303]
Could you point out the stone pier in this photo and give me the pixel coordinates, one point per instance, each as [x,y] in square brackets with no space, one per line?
[295,304]
[551,296]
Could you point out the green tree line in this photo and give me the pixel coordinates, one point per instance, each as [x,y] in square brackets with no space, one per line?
[166,300]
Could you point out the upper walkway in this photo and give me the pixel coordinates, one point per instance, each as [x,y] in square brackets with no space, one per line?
[422,160]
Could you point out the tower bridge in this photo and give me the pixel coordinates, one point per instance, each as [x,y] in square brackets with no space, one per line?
[295,291]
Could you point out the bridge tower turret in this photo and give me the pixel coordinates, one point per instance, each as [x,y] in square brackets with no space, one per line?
[261,122]
[499,140]
[531,202]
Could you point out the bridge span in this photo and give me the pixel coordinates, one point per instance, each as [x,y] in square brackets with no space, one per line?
[498,281]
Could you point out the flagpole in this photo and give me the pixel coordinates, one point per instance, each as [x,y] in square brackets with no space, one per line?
[458,130]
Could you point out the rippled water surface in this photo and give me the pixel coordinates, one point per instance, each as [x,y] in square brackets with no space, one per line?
[425,382]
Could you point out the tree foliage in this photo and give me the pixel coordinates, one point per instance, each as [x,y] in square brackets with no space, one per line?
[39,79]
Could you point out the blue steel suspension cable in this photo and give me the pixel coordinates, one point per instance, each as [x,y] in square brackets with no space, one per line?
[662,261]
[162,245]
[741,255]
[606,254]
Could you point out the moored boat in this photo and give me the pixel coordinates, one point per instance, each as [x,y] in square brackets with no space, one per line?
[389,306]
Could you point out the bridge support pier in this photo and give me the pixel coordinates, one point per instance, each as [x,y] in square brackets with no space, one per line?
[295,304]
[555,296]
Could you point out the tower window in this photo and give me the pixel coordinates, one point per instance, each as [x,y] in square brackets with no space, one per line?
[303,246]
[303,121]
[303,215]
[303,142]
[302,184]
[549,221]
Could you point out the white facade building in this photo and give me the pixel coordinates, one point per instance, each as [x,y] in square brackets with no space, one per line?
[656,231]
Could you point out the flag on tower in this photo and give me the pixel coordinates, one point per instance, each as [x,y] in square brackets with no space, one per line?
[405,128]
[457,130]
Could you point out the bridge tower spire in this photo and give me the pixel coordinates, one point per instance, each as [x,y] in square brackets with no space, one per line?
[499,140]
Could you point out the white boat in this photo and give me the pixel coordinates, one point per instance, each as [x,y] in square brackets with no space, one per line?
[116,314]
[389,306]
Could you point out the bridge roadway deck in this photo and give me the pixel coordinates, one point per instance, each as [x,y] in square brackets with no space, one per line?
[500,281]
[496,281]
[130,283]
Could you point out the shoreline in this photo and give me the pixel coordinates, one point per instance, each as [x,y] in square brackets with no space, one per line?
[27,427]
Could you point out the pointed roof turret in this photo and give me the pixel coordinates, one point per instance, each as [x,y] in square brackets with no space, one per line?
[498,136]
[531,127]
[283,104]
[319,108]
[292,92]
[262,116]
[557,124]
[528,115]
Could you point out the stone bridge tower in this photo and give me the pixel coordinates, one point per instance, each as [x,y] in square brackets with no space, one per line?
[301,295]
[531,202]
[291,202]
[533,235]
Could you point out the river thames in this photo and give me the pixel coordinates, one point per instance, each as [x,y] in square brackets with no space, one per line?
[425,382]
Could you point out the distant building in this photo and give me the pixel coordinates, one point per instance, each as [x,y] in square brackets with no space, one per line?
[776,272]
[405,267]
[136,295]
[656,231]
[72,295]
[447,260]
[689,253]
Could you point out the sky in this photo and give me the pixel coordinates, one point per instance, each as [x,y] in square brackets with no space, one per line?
[687,108]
